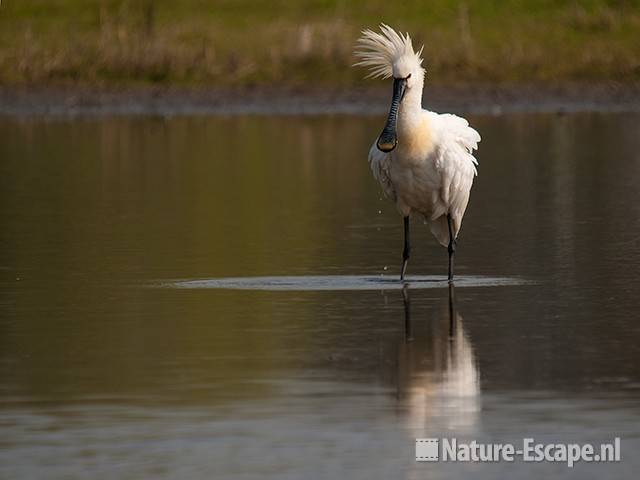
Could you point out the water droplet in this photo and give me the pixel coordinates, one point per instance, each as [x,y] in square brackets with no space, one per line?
[385,268]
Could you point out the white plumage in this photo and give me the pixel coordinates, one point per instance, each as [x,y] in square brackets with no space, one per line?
[380,52]
[435,181]
[422,159]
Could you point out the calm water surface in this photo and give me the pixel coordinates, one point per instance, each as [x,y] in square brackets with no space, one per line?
[104,376]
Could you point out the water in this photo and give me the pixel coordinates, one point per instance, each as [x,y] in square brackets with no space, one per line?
[342,282]
[104,376]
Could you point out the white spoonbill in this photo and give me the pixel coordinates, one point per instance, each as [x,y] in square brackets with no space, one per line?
[422,159]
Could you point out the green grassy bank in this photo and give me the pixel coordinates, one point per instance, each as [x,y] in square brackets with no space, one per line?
[112,43]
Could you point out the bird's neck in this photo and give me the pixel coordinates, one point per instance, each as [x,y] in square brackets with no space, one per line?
[415,137]
[412,100]
[411,103]
[410,108]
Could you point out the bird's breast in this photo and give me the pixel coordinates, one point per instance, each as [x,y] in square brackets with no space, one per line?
[415,137]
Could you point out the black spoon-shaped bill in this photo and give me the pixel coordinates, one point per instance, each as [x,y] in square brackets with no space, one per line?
[388,139]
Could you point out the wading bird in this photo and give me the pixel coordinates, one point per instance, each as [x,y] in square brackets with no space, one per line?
[422,159]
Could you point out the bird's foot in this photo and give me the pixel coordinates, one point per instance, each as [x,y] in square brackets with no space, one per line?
[403,269]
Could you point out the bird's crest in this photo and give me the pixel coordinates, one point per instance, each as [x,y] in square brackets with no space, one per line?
[380,51]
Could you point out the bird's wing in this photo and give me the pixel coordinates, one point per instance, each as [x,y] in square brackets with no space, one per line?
[456,164]
[379,163]
[455,131]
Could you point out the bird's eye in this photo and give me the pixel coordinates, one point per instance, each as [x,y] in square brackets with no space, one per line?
[408,76]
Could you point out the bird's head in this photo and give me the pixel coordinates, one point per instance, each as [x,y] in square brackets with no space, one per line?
[390,54]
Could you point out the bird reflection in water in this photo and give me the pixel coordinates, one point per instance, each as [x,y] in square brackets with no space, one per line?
[438,379]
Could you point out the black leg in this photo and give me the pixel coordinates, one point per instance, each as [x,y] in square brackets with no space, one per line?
[452,246]
[406,252]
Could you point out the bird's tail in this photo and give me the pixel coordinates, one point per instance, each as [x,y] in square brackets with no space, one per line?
[440,229]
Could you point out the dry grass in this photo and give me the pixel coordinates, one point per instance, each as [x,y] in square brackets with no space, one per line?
[113,42]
